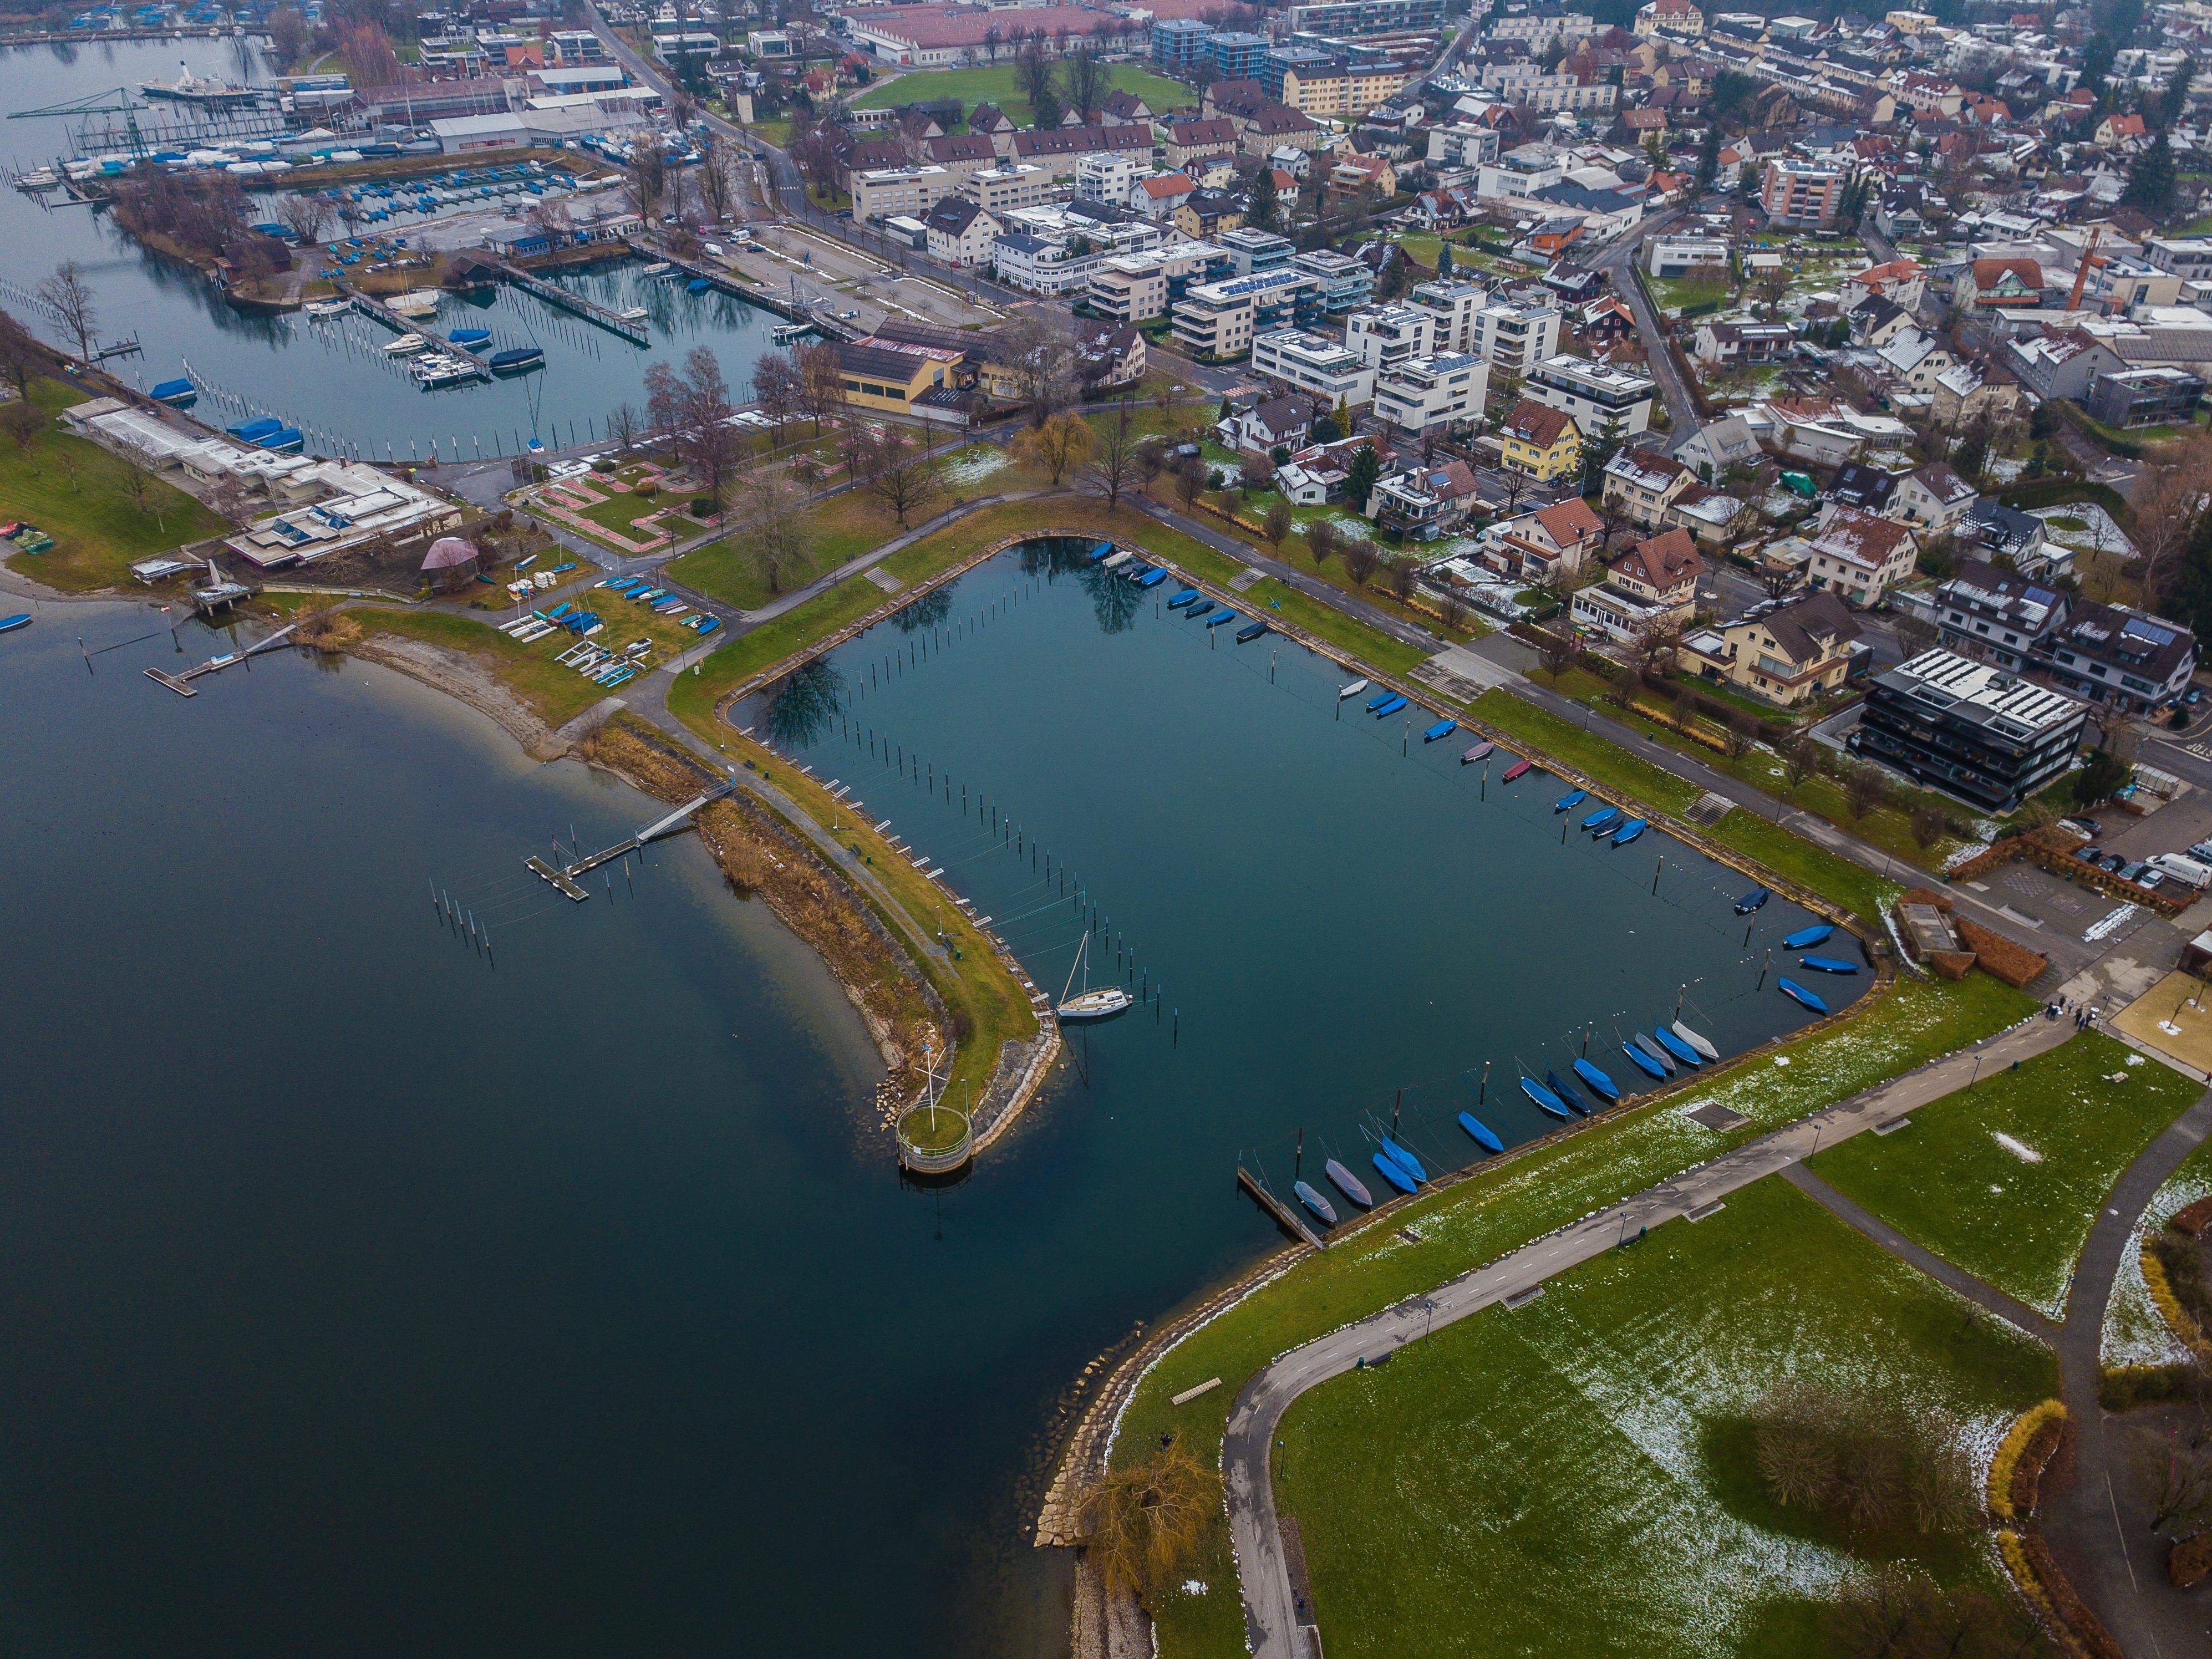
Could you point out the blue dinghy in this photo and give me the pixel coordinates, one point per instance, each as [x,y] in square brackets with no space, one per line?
[470,336]
[1375,703]
[1152,579]
[10,624]
[1599,819]
[1135,572]
[1349,1185]
[1566,1091]
[253,431]
[1791,988]
[1220,617]
[1249,632]
[1544,1098]
[1604,1087]
[1441,729]
[1406,1160]
[1828,964]
[1675,1046]
[1572,799]
[1628,832]
[1644,1061]
[1391,1172]
[1752,900]
[1390,707]
[178,394]
[1475,1126]
[1807,936]
[1189,596]
[1314,1202]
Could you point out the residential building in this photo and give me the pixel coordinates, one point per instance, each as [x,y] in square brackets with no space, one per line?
[1675,16]
[1109,356]
[1995,615]
[960,233]
[1130,288]
[1719,445]
[2113,657]
[2014,284]
[1792,655]
[2187,256]
[935,36]
[1276,126]
[1181,43]
[1799,192]
[1607,402]
[1424,502]
[1456,307]
[1190,140]
[1514,338]
[2017,537]
[1238,56]
[1384,339]
[1313,363]
[1108,176]
[1671,256]
[1160,195]
[1277,423]
[1519,174]
[1431,392]
[1541,441]
[1537,545]
[962,156]
[1725,346]
[1208,215]
[1062,148]
[2144,396]
[1644,485]
[1859,554]
[2063,364]
[1218,320]
[1901,282]
[1654,584]
[1345,283]
[1970,728]
[1036,264]
[1002,190]
[1934,495]
[1340,89]
[1336,18]
[880,193]
[1254,250]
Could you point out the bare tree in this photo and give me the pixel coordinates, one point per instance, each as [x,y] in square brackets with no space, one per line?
[776,388]
[1742,732]
[1403,574]
[70,298]
[1800,759]
[1054,447]
[902,476]
[20,355]
[1451,610]
[821,384]
[1190,481]
[622,423]
[1556,653]
[1321,542]
[1361,558]
[648,176]
[1277,525]
[1039,356]
[306,214]
[2171,506]
[1151,458]
[1656,639]
[1866,787]
[772,533]
[24,421]
[1113,468]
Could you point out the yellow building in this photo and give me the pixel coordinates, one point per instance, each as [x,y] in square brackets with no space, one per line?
[1541,441]
[1346,91]
[887,375]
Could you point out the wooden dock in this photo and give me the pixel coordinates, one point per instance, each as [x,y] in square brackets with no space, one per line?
[1285,1215]
[827,327]
[391,318]
[634,330]
[174,683]
[563,876]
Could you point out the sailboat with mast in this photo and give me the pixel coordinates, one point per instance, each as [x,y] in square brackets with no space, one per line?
[1089,1003]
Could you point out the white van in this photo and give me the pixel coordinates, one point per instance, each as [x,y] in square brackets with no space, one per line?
[2182,869]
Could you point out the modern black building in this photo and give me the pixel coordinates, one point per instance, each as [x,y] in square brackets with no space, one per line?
[1969,729]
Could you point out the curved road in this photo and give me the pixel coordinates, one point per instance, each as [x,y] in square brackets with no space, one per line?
[1271,1619]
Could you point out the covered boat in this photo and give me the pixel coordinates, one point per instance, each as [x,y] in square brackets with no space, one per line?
[1441,729]
[178,394]
[1349,1185]
[1751,900]
[1390,707]
[1600,1084]
[1643,1062]
[1828,964]
[1601,819]
[1703,1045]
[1406,1160]
[1480,751]
[1544,1098]
[1675,1046]
[1391,1172]
[1807,936]
[1628,832]
[1572,799]
[1481,1132]
[1790,987]
[1518,768]
[1314,1202]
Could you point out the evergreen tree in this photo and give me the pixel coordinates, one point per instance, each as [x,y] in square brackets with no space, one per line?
[1263,200]
[2150,182]
[1360,477]
[1445,260]
[1709,158]
[2192,585]
[1226,410]
[2177,90]
[1343,415]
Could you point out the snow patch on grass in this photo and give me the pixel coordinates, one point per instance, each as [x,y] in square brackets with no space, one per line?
[974,465]
[2019,1148]
[2135,1332]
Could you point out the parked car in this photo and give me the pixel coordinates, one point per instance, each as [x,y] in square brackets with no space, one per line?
[2081,827]
[2134,872]
[2201,852]
[2115,863]
[2194,696]
[2192,872]
[2092,856]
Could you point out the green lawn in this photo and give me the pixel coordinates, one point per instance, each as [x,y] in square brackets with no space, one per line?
[1520,1198]
[996,85]
[1552,1479]
[841,528]
[2015,1211]
[1669,292]
[75,491]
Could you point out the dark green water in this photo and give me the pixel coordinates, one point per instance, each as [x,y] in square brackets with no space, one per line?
[362,1297]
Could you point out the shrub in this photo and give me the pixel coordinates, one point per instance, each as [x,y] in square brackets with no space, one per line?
[2121,1387]
[1861,1461]
[2190,1561]
[2017,1468]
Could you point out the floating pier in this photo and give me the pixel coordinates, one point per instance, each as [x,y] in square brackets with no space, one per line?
[829,328]
[635,332]
[391,318]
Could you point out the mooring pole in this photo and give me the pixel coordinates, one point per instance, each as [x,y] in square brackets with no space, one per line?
[1484,1093]
[1764,966]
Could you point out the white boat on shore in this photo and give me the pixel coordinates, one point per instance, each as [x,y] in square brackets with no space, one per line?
[634,314]
[658,268]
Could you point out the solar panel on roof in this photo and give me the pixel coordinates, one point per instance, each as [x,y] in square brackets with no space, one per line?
[2151,631]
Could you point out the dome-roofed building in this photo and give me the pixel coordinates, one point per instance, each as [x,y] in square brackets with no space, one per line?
[450,564]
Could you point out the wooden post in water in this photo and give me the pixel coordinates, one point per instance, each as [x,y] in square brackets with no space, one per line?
[1764,966]
[1655,871]
[1484,1094]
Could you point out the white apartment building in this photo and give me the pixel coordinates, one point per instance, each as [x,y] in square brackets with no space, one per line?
[1456,146]
[1539,27]
[1431,392]
[1106,177]
[1002,190]
[1677,255]
[1222,318]
[1514,338]
[1521,173]
[1390,338]
[1456,307]
[1313,363]
[887,191]
[1130,288]
[1037,266]
[1606,402]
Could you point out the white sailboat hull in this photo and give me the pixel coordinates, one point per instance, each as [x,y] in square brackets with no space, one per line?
[1095,1005]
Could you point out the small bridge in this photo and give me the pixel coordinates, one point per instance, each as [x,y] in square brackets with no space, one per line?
[563,876]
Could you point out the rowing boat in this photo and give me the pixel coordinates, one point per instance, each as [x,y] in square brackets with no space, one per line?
[1390,707]
[1476,753]
[1441,729]
[1628,832]
[1807,936]
[1572,799]
[1792,988]
[1600,819]
[1518,768]
[1481,1132]
[1752,900]
[1828,964]
[1351,690]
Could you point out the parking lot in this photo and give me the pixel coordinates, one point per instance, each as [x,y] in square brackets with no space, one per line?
[850,280]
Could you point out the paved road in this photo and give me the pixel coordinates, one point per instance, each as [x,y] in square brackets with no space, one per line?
[1674,390]
[1270,1617]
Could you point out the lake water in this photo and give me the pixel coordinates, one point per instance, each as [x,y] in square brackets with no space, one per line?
[365,1294]
[331,379]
